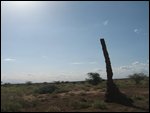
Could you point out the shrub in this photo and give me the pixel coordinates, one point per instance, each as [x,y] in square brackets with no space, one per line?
[53,109]
[61,90]
[80,105]
[7,84]
[138,77]
[46,89]
[137,97]
[11,106]
[11,102]
[99,104]
[28,83]
[94,78]
[57,82]
[45,83]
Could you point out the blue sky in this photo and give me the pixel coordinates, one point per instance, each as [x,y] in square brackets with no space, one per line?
[50,41]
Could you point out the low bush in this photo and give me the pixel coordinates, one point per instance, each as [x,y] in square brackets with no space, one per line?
[46,89]
[80,105]
[99,104]
[137,97]
[137,77]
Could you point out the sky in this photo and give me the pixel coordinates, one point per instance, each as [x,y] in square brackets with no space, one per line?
[45,41]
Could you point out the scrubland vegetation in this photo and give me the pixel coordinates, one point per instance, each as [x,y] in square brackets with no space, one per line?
[72,96]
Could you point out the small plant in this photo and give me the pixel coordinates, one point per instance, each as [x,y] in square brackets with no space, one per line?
[53,109]
[80,105]
[137,97]
[99,104]
[46,89]
[61,90]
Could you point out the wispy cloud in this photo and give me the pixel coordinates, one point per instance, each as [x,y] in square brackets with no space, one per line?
[77,63]
[9,59]
[135,63]
[105,23]
[124,71]
[98,70]
[92,62]
[137,31]
[125,67]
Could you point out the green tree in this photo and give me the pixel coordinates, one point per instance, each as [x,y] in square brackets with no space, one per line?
[94,78]
[28,83]
[137,77]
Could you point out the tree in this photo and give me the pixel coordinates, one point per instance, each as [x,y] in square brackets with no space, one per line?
[28,83]
[137,77]
[94,78]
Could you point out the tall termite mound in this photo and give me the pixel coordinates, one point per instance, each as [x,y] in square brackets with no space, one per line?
[113,93]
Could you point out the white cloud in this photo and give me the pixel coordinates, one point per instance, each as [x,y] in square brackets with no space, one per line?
[137,30]
[98,69]
[92,62]
[135,63]
[9,59]
[125,67]
[124,71]
[105,23]
[74,75]
[77,63]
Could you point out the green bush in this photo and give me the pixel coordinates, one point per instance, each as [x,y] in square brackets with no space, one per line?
[11,102]
[11,106]
[61,90]
[46,89]
[94,78]
[28,83]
